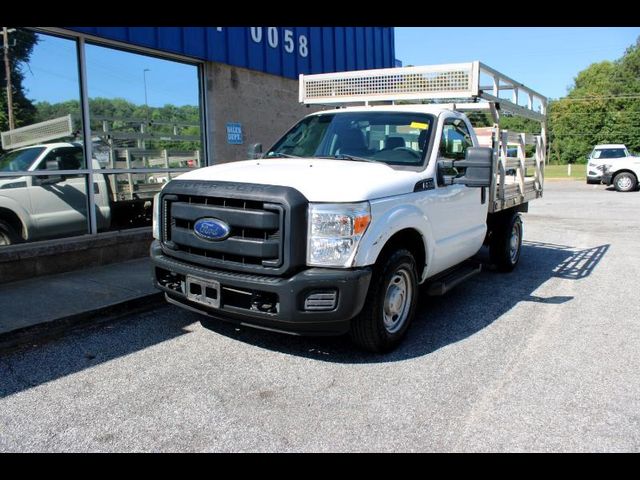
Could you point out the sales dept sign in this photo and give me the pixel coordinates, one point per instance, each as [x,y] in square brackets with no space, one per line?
[234,133]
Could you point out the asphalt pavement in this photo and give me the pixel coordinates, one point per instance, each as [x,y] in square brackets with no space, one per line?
[542,359]
[43,307]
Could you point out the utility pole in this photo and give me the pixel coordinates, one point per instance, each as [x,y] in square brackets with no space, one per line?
[7,68]
[143,129]
[146,104]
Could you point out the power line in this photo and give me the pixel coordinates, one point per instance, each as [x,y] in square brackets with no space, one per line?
[609,97]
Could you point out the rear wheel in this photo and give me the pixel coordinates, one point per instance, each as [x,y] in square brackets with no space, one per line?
[390,304]
[506,242]
[8,236]
[625,182]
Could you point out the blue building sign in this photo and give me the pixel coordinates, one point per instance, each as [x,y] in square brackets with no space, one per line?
[284,51]
[234,133]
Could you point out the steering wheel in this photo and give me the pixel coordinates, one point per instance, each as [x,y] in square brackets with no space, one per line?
[406,149]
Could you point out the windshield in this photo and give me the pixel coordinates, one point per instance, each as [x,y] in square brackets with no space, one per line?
[390,137]
[609,153]
[19,160]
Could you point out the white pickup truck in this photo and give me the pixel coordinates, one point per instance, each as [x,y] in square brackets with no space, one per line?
[43,187]
[335,227]
[53,203]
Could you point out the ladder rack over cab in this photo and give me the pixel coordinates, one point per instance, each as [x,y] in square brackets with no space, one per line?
[462,87]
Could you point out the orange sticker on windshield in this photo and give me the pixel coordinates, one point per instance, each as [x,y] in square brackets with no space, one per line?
[421,126]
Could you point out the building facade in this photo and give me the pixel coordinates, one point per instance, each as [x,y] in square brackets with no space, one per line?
[100,117]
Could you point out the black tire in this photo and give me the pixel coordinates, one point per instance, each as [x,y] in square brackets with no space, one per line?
[506,242]
[625,182]
[8,236]
[375,329]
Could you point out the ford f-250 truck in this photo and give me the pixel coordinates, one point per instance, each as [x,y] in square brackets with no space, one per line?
[335,227]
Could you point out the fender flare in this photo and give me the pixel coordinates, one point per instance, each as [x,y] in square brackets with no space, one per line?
[386,224]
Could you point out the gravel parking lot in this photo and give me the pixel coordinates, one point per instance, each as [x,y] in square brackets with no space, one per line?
[543,359]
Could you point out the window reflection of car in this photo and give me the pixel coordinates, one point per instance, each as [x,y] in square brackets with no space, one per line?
[512,152]
[34,207]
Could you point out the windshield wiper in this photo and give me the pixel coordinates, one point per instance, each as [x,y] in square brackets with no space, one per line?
[342,156]
[281,155]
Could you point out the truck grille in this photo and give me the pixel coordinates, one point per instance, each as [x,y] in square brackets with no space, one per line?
[260,218]
[255,237]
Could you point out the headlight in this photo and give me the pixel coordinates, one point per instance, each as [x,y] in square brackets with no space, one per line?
[156,216]
[335,230]
[606,167]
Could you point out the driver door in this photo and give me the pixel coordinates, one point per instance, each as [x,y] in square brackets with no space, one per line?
[456,212]
[61,208]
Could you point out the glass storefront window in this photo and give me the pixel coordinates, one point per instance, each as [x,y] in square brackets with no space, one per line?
[46,136]
[145,118]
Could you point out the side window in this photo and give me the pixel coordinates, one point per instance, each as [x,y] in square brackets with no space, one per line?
[455,139]
[71,158]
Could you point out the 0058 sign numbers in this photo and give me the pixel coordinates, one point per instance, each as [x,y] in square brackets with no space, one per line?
[288,40]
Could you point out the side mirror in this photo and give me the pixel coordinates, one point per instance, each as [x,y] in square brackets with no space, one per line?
[255,150]
[479,167]
[53,165]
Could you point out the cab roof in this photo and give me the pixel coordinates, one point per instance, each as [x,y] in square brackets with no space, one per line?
[609,145]
[434,109]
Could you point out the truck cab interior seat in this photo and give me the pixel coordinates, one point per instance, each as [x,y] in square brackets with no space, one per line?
[351,142]
[394,142]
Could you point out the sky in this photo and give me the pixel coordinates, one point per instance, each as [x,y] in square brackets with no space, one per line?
[546,59]
[52,75]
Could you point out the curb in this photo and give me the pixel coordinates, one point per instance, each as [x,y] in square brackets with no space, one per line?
[52,329]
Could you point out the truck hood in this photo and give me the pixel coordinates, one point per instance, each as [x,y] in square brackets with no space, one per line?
[320,180]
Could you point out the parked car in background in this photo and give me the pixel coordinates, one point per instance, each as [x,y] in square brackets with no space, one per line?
[623,173]
[601,155]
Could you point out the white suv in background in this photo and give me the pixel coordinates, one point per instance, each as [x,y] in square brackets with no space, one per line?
[601,155]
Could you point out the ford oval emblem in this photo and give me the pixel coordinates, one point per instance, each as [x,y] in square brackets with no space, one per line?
[211,229]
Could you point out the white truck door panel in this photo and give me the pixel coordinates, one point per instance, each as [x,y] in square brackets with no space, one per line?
[456,212]
[458,222]
[61,208]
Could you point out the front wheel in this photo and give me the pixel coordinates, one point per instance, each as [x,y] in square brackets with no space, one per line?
[506,243]
[625,182]
[8,236]
[390,304]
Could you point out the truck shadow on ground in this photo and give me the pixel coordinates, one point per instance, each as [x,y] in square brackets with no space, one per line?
[444,320]
[440,321]
[82,348]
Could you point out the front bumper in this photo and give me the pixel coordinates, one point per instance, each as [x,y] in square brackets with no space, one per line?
[607,178]
[242,297]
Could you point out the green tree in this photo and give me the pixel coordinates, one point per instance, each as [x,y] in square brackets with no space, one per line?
[601,107]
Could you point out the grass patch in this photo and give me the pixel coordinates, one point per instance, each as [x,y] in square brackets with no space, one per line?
[578,171]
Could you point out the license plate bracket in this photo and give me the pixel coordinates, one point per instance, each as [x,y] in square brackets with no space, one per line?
[203,291]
